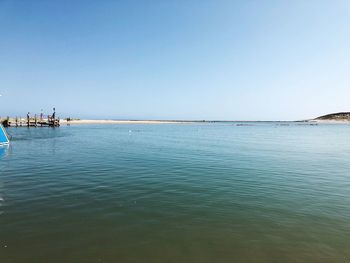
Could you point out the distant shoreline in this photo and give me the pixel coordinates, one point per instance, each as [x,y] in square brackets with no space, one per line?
[90,121]
[123,122]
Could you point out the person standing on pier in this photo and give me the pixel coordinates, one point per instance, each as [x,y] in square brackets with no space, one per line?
[28,118]
[41,117]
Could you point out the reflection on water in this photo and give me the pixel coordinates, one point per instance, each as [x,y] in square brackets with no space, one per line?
[176,193]
[3,150]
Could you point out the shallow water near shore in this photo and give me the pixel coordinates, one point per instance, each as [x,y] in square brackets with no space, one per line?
[221,192]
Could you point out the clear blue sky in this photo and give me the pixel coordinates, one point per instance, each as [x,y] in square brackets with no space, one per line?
[228,60]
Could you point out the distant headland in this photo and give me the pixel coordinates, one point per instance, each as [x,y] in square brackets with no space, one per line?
[340,116]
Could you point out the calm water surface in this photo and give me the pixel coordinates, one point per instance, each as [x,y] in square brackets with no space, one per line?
[176,193]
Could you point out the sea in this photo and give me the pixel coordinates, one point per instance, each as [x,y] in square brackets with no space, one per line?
[193,192]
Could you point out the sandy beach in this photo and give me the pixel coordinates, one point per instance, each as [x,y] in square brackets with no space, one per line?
[174,122]
[123,122]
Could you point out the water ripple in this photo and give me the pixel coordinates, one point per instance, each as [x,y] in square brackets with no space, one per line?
[176,193]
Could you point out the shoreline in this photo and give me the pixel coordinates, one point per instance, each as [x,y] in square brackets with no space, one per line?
[91,121]
[123,122]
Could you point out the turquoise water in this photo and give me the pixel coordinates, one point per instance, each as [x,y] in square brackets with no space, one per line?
[176,193]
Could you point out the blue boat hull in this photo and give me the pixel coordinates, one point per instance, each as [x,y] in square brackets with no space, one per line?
[3,136]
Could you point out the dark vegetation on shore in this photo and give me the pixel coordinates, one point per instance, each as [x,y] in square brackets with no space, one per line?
[335,116]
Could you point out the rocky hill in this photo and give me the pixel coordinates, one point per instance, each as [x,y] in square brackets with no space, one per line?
[340,116]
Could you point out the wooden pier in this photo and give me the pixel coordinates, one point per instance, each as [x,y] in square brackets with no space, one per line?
[36,120]
[49,121]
